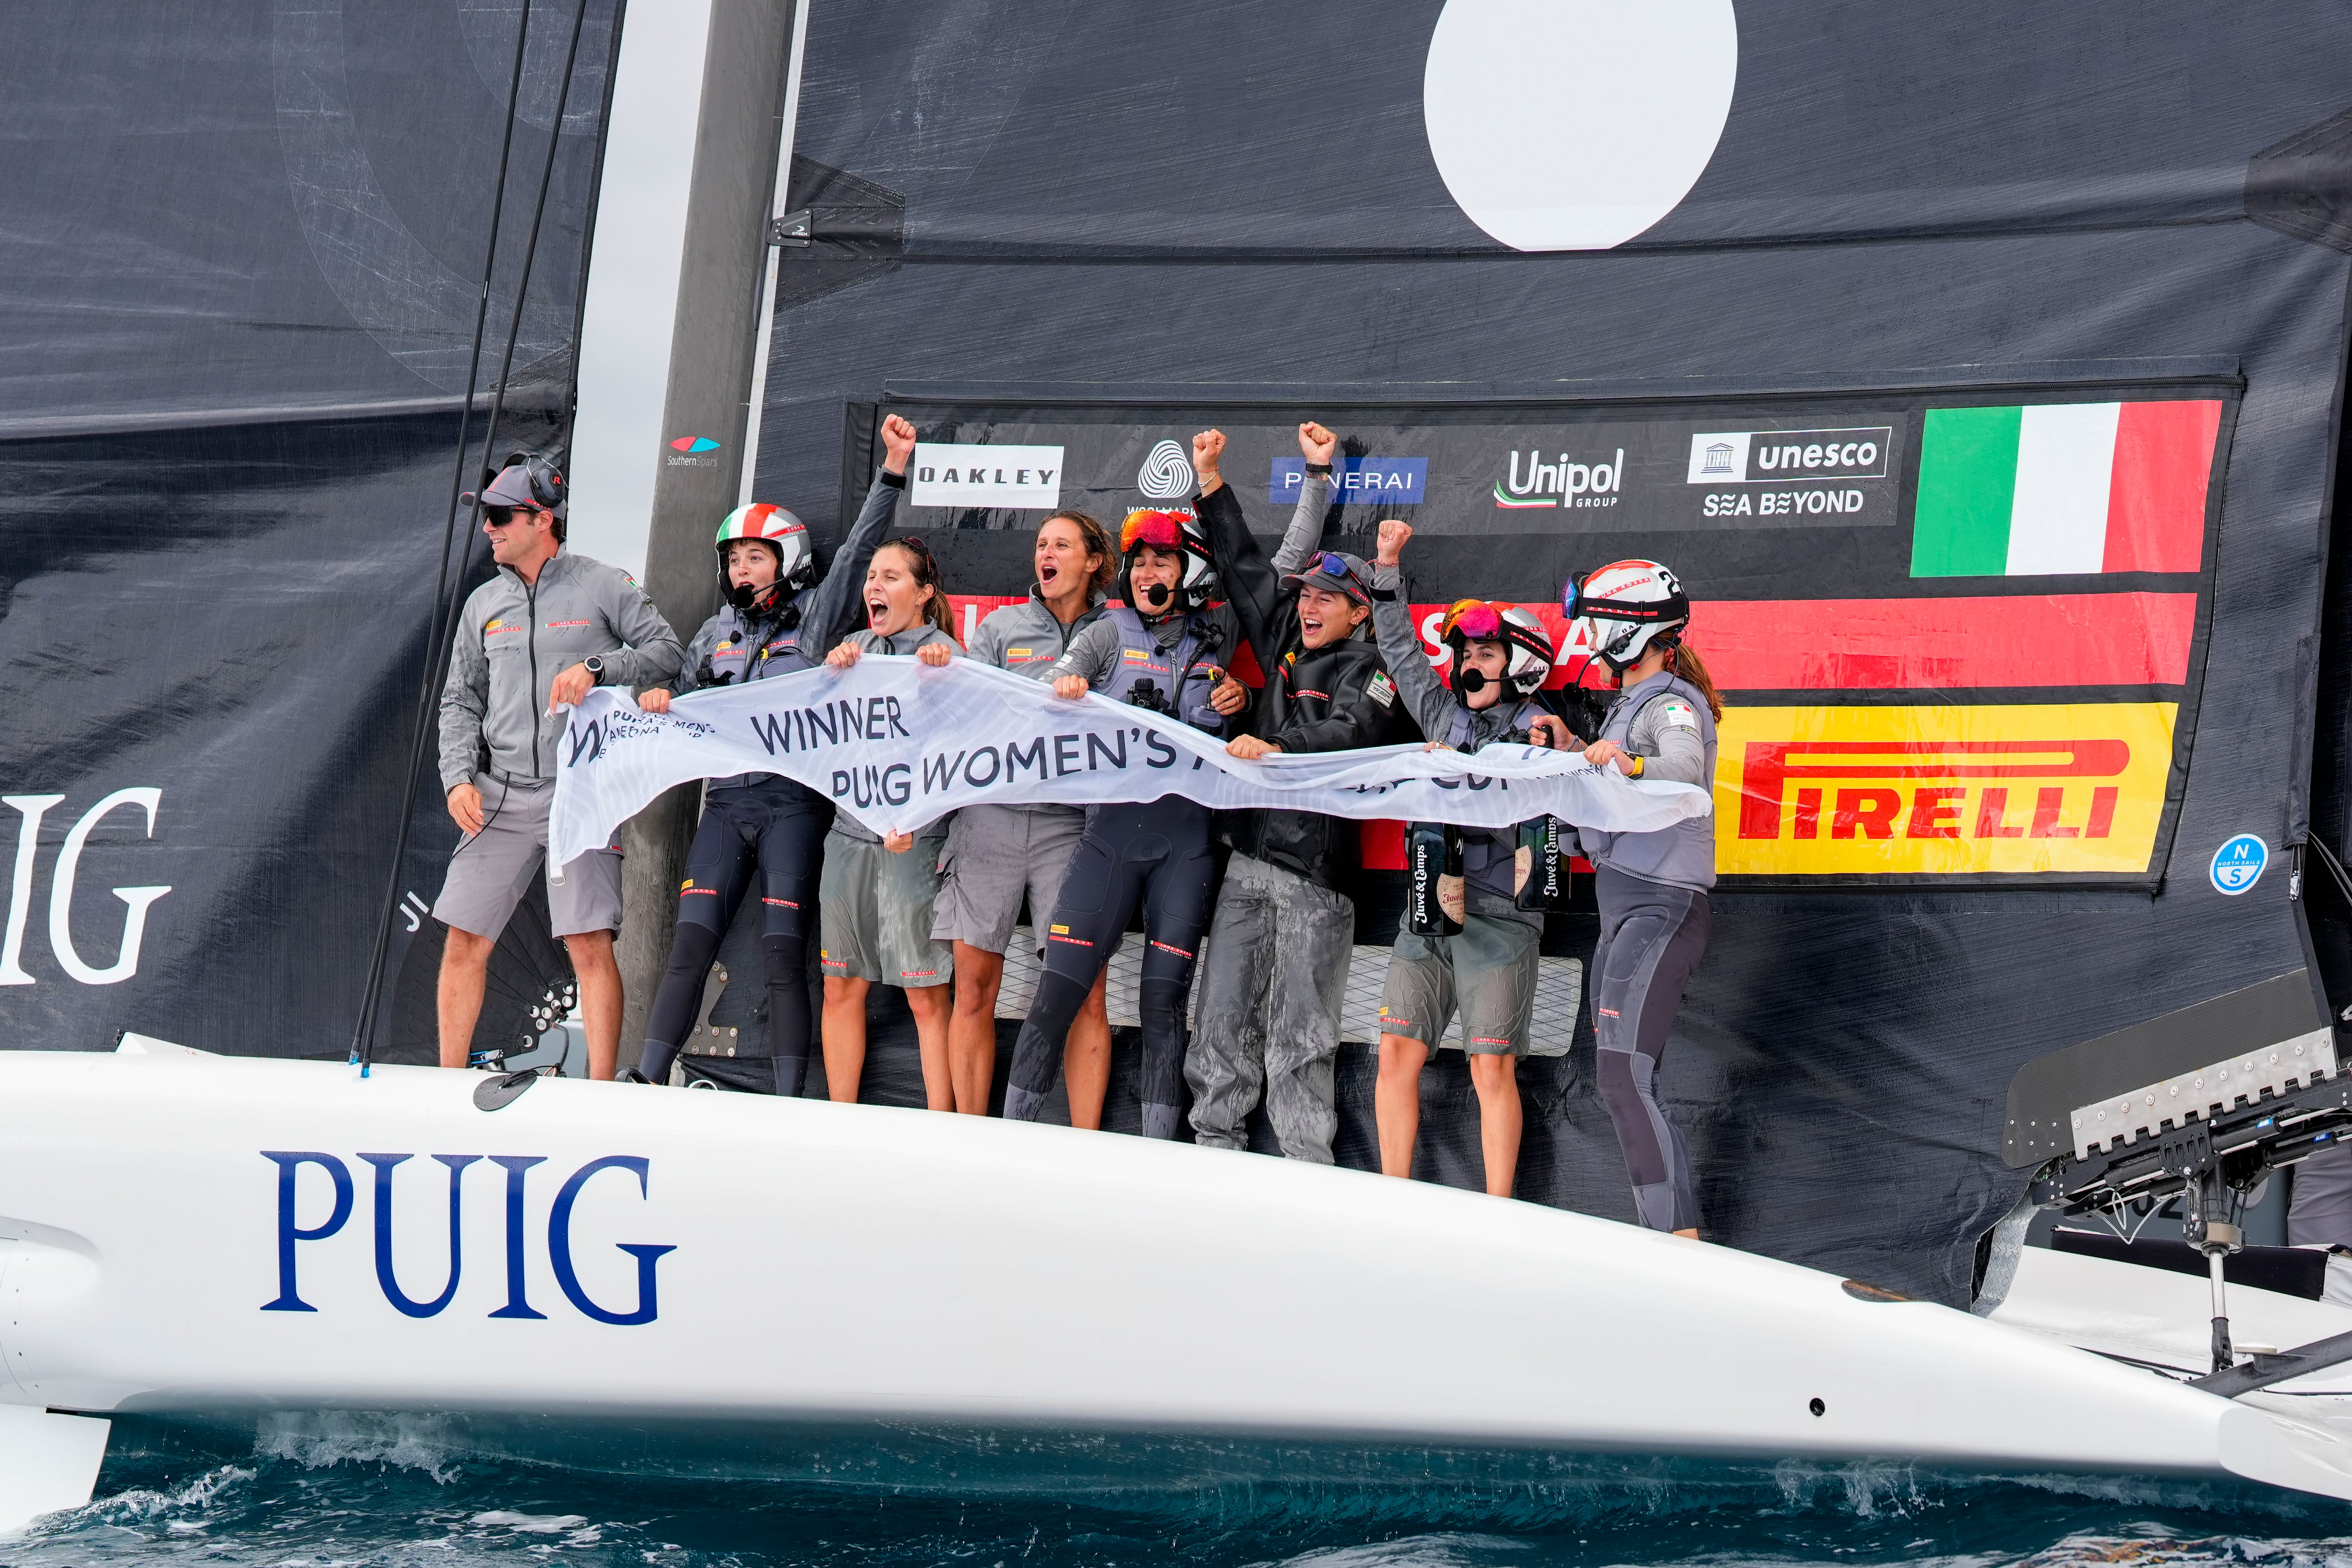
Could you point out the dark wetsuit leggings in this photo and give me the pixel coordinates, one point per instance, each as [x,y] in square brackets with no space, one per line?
[1652,937]
[780,826]
[1157,854]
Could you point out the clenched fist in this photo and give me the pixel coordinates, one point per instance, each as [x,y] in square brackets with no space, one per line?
[1316,443]
[1208,447]
[897,445]
[1394,532]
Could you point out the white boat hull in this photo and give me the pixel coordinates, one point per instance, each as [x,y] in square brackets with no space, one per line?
[951,1271]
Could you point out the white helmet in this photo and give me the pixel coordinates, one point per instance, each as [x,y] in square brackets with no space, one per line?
[1618,611]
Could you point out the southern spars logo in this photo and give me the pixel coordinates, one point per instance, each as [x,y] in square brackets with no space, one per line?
[1166,474]
[694,444]
[692,452]
[1559,479]
[1017,478]
[1941,790]
[1380,481]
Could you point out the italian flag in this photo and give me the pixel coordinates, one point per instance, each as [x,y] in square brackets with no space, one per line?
[2053,489]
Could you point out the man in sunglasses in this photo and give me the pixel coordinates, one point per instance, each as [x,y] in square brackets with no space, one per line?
[531,640]
[1268,1018]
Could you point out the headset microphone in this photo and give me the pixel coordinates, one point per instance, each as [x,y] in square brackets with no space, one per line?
[1159,595]
[1469,681]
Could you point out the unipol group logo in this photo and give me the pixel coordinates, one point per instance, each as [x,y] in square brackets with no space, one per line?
[1561,481]
[1955,791]
[1166,474]
[64,873]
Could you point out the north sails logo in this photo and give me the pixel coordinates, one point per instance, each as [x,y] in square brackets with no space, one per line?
[1166,474]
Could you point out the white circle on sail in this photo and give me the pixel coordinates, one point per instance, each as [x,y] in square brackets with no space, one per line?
[1576,124]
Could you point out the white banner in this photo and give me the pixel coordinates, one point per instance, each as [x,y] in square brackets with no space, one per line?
[898,745]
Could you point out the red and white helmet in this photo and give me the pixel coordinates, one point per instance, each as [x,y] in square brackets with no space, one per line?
[779,531]
[1521,634]
[1178,533]
[1617,612]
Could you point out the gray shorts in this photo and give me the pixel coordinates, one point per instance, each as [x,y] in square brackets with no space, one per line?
[491,870]
[994,855]
[877,913]
[1490,967]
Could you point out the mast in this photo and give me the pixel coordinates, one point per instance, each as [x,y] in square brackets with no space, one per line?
[715,363]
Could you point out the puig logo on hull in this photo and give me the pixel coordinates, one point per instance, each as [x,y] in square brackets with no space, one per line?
[1561,482]
[292,1234]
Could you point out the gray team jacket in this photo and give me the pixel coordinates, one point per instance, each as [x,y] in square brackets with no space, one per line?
[1026,640]
[514,636]
[752,650]
[1667,721]
[1486,855]
[907,641]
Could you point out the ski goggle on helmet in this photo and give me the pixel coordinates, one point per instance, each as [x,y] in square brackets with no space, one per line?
[1179,533]
[781,532]
[1519,632]
[1619,611]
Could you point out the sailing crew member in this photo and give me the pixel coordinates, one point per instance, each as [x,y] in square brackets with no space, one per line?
[1279,942]
[1653,887]
[997,855]
[1160,651]
[877,892]
[778,618]
[1501,657]
[529,642]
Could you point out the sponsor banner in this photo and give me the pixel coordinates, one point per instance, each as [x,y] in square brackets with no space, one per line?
[898,746]
[2072,640]
[1371,481]
[1019,478]
[1789,457]
[1928,791]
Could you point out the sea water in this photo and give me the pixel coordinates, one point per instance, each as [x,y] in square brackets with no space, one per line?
[412,1493]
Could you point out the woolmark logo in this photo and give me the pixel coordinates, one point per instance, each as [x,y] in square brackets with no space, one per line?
[1561,481]
[1770,456]
[1018,478]
[1166,474]
[1930,789]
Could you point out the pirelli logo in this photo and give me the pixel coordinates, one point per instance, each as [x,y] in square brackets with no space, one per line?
[1929,791]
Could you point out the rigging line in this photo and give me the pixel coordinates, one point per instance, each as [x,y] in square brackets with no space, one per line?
[446,613]
[372,996]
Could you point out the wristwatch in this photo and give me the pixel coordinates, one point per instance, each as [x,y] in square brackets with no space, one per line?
[594,664]
[1641,766]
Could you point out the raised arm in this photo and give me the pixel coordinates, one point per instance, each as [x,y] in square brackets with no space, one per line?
[1426,699]
[1319,446]
[825,617]
[1252,585]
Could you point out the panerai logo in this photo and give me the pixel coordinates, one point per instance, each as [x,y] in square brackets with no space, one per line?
[292,1234]
[1561,482]
[30,810]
